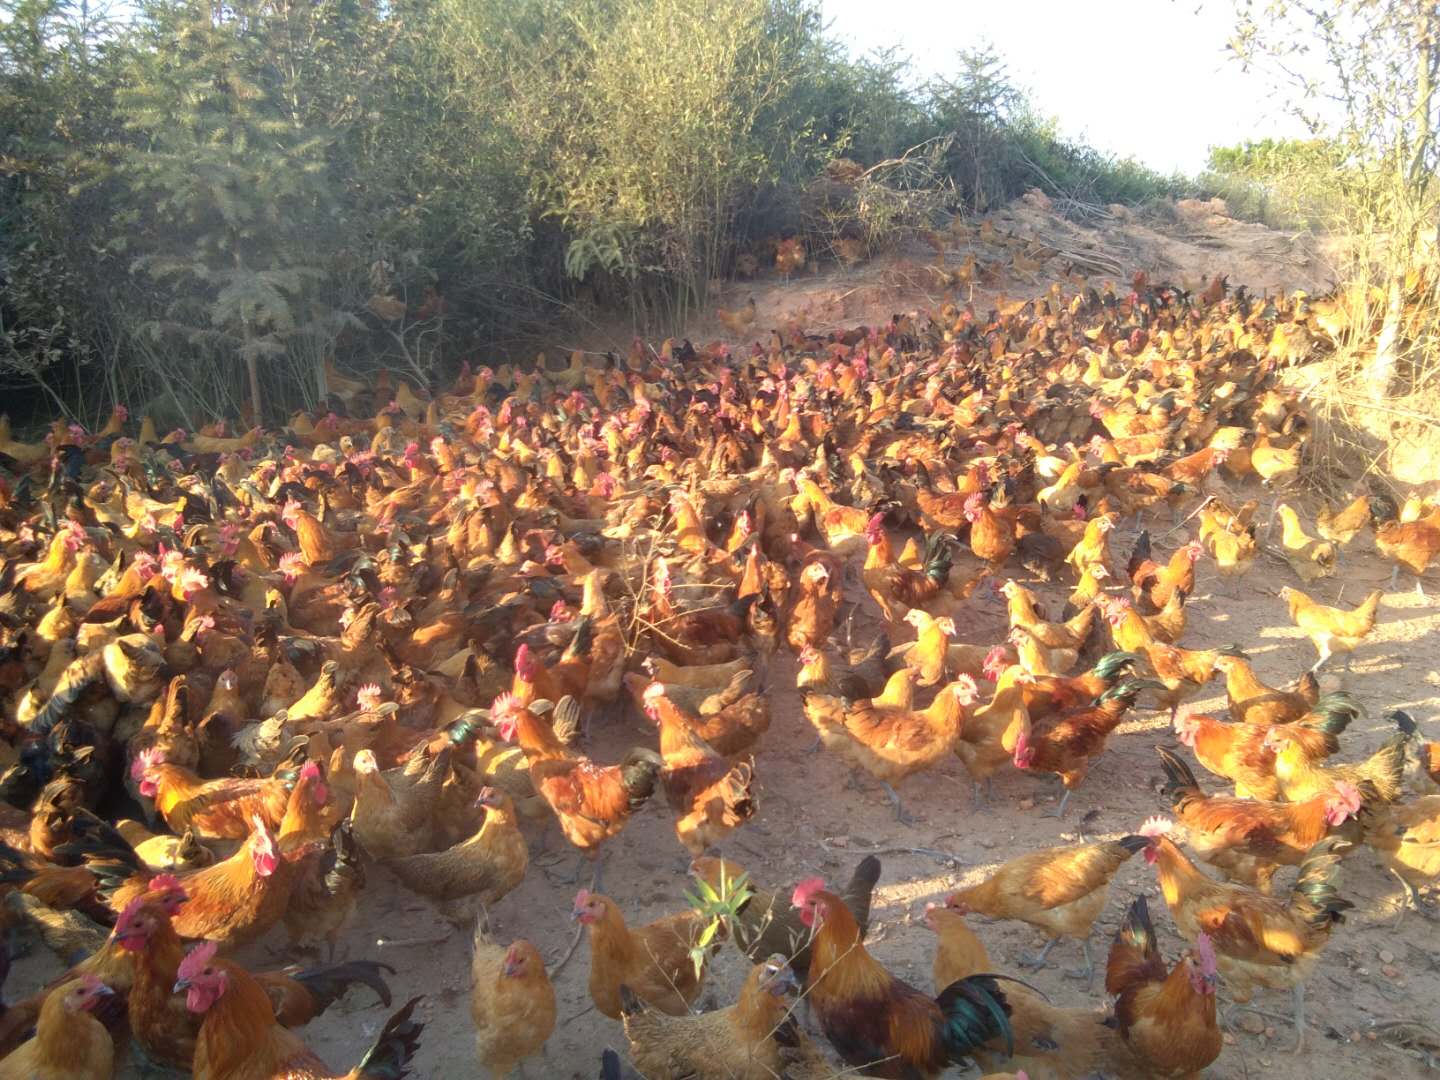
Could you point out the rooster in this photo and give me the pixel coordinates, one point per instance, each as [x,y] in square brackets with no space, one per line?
[877,1023]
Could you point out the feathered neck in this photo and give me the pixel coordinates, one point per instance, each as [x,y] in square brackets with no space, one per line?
[840,968]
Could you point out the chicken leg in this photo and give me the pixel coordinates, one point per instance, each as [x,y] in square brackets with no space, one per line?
[1031,960]
[894,797]
[1059,811]
[1088,971]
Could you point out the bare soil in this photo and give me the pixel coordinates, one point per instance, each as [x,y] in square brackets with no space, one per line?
[811,821]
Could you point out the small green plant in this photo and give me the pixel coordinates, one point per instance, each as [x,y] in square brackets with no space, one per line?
[719,907]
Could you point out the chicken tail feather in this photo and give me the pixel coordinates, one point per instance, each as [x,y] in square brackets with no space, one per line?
[975,1012]
[328,984]
[389,1058]
[1316,894]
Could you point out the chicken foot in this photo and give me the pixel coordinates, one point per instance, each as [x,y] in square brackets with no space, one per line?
[1031,960]
[983,803]
[894,797]
[1413,901]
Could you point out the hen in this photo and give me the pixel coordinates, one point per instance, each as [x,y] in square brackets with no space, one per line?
[512,1002]
[1060,891]
[653,961]
[741,1042]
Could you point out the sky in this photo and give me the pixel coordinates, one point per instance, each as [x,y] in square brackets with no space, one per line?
[1148,79]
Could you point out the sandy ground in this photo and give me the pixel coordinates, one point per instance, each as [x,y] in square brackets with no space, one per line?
[811,822]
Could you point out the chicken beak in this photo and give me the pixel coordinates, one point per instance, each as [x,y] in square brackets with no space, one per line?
[181,985]
[104,989]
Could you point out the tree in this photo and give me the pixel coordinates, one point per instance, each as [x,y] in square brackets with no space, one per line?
[1362,75]
[230,182]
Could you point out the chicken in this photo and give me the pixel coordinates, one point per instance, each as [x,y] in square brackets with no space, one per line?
[738,322]
[1406,837]
[1301,776]
[69,1042]
[764,924]
[1331,629]
[512,1002]
[1342,526]
[711,676]
[817,599]
[894,588]
[1167,1019]
[325,896]
[891,744]
[741,1042]
[241,1040]
[875,1021]
[1233,549]
[159,1021]
[1051,1043]
[486,866]
[213,809]
[1060,891]
[992,537]
[1311,559]
[1238,753]
[708,794]
[729,722]
[1155,586]
[1258,940]
[1253,702]
[394,814]
[1067,635]
[1066,744]
[1412,545]
[1248,840]
[1093,548]
[592,802]
[929,656]
[653,961]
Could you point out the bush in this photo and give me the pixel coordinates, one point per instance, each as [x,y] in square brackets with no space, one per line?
[205,205]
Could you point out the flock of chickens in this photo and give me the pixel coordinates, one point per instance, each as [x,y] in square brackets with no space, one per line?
[240,673]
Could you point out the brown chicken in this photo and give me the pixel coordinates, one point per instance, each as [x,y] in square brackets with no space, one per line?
[512,1002]
[891,744]
[1060,891]
[1253,702]
[240,1038]
[1167,1019]
[1259,940]
[992,537]
[1248,840]
[592,802]
[730,723]
[1154,585]
[709,795]
[1412,544]
[1071,634]
[214,809]
[487,866]
[654,961]
[1329,629]
[817,599]
[1067,743]
[1301,775]
[1342,526]
[159,1021]
[740,1042]
[69,1042]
